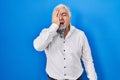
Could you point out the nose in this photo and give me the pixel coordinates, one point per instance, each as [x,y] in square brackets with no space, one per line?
[60,17]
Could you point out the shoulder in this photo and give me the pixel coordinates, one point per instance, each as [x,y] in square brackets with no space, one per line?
[78,31]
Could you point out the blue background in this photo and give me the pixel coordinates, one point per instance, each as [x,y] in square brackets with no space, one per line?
[22,20]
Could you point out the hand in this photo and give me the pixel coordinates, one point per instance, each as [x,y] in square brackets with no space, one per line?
[55,17]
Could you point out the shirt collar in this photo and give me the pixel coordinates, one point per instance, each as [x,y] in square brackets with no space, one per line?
[70,32]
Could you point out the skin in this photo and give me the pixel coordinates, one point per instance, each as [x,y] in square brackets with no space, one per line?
[61,17]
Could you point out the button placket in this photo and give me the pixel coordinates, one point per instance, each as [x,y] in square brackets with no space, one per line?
[64,47]
[64,66]
[64,58]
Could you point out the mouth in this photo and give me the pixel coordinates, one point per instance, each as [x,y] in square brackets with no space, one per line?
[61,24]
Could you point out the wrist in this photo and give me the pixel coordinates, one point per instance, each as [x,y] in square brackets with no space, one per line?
[53,27]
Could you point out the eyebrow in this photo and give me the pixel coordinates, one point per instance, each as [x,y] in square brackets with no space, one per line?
[64,13]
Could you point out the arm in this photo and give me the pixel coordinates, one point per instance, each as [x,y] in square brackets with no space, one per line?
[45,37]
[87,60]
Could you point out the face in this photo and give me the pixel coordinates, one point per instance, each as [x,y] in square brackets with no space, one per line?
[64,17]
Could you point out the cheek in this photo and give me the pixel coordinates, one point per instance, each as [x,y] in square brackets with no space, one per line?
[67,21]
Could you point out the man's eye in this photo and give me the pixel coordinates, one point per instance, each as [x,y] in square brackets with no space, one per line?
[64,14]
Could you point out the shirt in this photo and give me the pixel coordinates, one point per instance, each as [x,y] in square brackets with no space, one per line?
[64,55]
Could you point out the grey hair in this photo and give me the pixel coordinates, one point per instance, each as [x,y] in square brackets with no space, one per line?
[62,5]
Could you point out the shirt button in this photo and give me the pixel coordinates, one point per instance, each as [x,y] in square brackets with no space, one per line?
[64,66]
[63,41]
[64,58]
[64,50]
[64,74]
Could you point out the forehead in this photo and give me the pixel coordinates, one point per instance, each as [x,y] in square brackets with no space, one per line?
[63,9]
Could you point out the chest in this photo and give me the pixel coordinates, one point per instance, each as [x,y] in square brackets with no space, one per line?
[70,45]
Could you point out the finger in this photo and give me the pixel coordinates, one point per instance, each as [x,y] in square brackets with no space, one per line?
[57,13]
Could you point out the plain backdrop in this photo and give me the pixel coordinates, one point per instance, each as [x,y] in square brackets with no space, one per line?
[21,21]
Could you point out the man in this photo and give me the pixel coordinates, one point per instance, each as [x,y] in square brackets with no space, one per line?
[65,46]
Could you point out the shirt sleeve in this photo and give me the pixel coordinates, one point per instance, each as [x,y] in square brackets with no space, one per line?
[45,37]
[87,60]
